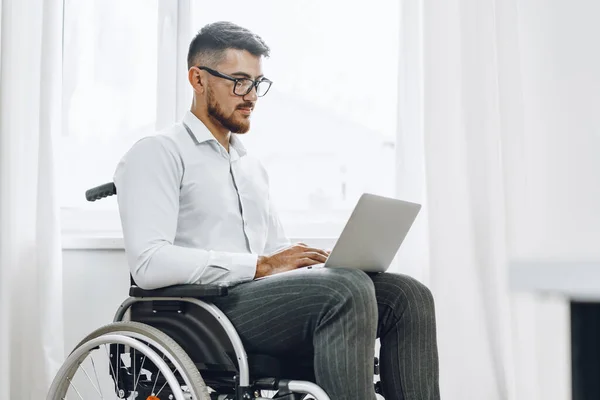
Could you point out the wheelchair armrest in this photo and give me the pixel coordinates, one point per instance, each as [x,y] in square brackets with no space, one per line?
[197,291]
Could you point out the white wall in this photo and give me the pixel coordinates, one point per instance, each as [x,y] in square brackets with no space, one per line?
[95,283]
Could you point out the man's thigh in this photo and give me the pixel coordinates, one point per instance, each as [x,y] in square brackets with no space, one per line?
[279,314]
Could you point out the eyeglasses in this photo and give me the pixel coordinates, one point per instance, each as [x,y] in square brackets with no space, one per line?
[243,86]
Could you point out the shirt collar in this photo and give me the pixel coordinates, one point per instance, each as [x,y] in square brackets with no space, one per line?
[201,133]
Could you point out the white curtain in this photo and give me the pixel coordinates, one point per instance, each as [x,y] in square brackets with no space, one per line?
[31,320]
[472,107]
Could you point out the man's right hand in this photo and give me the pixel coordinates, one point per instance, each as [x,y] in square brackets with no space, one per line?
[296,256]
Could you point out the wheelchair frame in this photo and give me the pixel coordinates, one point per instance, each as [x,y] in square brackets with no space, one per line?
[243,390]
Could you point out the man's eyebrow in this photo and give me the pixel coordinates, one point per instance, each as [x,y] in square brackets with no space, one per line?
[245,75]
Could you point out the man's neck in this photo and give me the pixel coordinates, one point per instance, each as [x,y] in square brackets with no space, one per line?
[218,131]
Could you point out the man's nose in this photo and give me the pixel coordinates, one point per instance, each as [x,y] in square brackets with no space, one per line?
[252,96]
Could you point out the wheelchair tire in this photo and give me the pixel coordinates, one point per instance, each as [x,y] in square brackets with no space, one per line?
[139,331]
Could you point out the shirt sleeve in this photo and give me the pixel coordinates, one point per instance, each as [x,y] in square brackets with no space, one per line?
[276,237]
[148,180]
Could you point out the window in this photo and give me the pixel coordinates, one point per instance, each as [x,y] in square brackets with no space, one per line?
[325,131]
[109,99]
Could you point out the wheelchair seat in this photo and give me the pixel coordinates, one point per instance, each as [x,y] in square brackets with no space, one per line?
[205,339]
[260,364]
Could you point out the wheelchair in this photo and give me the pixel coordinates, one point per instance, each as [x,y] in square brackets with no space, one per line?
[173,343]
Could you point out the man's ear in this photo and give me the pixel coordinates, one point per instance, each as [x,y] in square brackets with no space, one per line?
[197,80]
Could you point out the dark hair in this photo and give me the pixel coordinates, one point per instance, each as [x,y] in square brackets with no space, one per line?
[210,43]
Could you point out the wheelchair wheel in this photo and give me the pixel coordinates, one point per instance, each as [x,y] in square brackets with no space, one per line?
[128,360]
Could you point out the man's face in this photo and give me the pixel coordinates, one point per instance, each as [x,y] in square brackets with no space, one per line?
[228,109]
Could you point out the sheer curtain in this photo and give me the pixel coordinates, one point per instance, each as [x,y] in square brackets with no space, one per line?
[31,321]
[472,109]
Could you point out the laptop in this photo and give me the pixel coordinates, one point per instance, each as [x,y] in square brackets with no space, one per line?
[373,234]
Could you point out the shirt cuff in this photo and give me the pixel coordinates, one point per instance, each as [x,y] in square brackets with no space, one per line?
[241,266]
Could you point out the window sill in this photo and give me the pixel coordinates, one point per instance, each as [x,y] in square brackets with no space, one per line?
[88,241]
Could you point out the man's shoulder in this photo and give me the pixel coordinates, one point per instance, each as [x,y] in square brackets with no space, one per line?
[168,139]
[160,145]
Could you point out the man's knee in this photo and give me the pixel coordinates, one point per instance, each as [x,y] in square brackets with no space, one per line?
[351,282]
[352,287]
[412,297]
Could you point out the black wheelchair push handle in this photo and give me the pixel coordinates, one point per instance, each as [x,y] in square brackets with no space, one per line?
[100,192]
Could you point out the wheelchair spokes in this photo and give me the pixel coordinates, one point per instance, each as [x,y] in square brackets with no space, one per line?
[128,361]
[97,377]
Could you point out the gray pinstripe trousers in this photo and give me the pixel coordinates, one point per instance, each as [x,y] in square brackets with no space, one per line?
[335,315]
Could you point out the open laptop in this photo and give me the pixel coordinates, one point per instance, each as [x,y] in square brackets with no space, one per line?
[373,234]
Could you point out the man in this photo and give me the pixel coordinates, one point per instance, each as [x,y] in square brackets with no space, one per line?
[195,208]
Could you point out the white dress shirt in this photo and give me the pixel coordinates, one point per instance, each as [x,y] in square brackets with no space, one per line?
[193,213]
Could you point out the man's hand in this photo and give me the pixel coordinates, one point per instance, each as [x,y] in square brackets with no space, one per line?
[296,256]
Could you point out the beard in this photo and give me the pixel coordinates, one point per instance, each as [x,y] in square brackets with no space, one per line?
[231,123]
